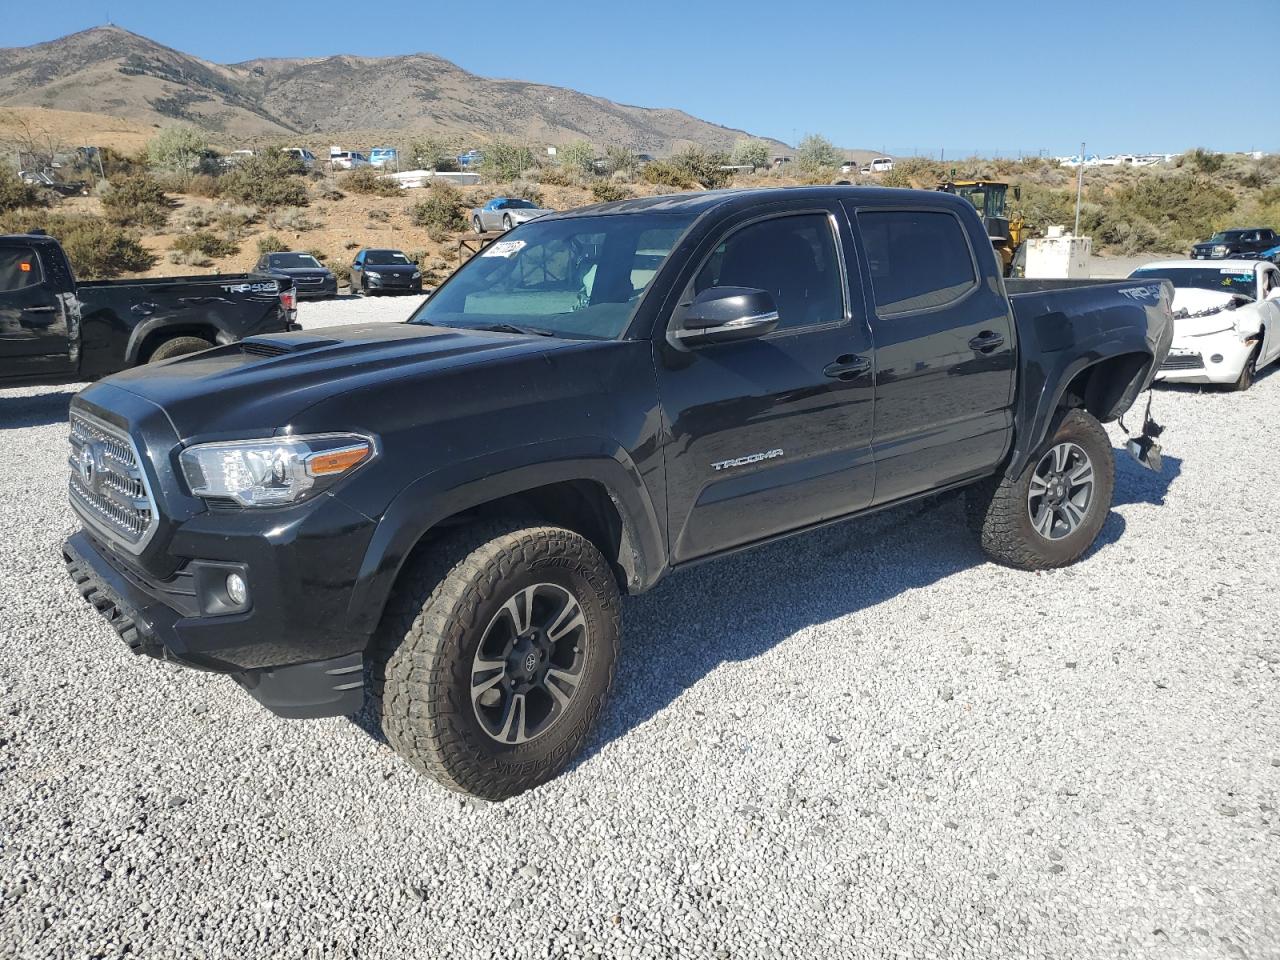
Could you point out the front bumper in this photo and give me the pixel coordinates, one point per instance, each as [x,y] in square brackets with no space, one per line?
[392,284]
[326,288]
[1191,359]
[288,646]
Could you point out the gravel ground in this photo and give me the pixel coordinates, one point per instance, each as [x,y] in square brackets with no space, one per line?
[865,742]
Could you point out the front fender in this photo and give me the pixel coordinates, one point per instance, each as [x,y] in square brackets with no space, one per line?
[458,487]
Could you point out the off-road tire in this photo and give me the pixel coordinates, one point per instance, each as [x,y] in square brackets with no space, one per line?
[422,655]
[997,509]
[177,347]
[1249,371]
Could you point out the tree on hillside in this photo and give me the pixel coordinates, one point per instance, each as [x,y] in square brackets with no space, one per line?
[817,153]
[431,152]
[578,156]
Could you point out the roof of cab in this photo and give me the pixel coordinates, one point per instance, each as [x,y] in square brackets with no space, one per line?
[705,200]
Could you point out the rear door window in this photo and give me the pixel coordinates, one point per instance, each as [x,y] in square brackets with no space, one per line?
[919,260]
[19,269]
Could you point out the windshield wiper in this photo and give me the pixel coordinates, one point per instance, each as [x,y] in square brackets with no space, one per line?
[512,328]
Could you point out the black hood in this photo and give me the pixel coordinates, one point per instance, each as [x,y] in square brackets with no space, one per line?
[301,271]
[396,268]
[263,382]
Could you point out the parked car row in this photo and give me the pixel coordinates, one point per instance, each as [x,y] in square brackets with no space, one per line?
[371,271]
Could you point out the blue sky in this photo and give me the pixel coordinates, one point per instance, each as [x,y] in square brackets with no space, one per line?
[1124,75]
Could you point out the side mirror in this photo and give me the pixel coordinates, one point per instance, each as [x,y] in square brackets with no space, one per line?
[1017,193]
[355,266]
[1274,294]
[721,315]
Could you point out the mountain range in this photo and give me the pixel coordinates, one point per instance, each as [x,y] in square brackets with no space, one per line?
[111,71]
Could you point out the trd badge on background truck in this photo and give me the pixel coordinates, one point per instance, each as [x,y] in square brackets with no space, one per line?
[452,506]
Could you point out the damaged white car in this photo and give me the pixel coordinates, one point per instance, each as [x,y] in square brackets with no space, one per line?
[1226,316]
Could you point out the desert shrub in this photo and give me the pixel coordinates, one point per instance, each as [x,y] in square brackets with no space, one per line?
[189,258]
[267,179]
[203,185]
[578,157]
[702,167]
[433,153]
[367,181]
[291,218]
[205,242]
[137,201]
[1203,161]
[270,243]
[554,177]
[605,191]
[1181,208]
[379,216]
[235,220]
[443,209]
[14,193]
[752,153]
[97,248]
[328,190]
[914,172]
[817,153]
[621,162]
[177,149]
[664,173]
[504,160]
[196,217]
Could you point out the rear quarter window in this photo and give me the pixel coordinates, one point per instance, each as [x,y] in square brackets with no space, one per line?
[19,268]
[919,260]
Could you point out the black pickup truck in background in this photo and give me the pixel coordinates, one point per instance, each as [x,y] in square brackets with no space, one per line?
[1238,244]
[596,400]
[55,330]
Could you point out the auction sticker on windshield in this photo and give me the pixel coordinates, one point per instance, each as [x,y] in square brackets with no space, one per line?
[503,248]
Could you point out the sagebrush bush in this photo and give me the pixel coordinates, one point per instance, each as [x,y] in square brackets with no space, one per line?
[379,216]
[97,248]
[177,149]
[604,191]
[367,181]
[663,173]
[203,185]
[554,177]
[291,218]
[750,153]
[694,167]
[14,193]
[137,201]
[267,179]
[235,220]
[578,157]
[524,190]
[816,153]
[443,208]
[270,243]
[205,242]
[506,161]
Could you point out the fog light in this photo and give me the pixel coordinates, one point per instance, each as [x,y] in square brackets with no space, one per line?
[1216,358]
[237,589]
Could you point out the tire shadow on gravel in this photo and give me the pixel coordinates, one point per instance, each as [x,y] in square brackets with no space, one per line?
[39,410]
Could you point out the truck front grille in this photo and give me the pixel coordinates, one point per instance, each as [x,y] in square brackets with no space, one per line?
[1183,361]
[107,486]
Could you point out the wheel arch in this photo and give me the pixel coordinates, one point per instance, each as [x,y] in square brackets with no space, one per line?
[601,498]
[146,337]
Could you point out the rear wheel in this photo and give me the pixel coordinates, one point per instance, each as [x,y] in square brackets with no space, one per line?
[178,347]
[1051,513]
[506,222]
[495,656]
[476,225]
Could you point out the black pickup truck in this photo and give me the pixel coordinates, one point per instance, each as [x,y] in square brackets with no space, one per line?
[55,330]
[443,513]
[1236,244]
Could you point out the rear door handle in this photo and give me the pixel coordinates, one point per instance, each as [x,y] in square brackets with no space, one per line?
[986,341]
[847,366]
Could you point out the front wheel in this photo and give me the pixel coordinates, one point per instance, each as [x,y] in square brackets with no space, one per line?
[476,225]
[506,223]
[1248,373]
[1051,513]
[495,656]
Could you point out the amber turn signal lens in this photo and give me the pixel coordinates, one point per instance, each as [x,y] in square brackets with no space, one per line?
[331,462]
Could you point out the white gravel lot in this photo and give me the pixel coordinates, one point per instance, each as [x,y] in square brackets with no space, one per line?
[866,742]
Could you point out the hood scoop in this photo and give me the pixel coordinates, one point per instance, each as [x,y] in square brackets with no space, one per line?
[262,347]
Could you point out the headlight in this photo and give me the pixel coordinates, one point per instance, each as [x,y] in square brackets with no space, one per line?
[417,274]
[264,473]
[373,274]
[1220,250]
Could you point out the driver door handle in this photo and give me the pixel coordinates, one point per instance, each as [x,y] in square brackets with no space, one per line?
[847,366]
[986,341]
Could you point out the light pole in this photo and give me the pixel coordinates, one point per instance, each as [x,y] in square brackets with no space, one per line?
[1079,189]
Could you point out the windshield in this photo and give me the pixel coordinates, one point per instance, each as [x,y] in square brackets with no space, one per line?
[517,205]
[1225,279]
[386,258]
[578,277]
[1222,235]
[285,261]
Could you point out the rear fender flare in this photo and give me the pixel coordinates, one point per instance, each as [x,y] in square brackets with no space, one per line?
[424,504]
[1044,384]
[186,325]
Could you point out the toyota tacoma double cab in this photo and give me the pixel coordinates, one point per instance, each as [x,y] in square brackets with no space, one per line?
[440,516]
[54,329]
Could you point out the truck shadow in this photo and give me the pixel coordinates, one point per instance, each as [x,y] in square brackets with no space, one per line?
[39,410]
[740,607]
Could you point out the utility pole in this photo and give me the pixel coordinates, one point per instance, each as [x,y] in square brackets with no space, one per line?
[1079,189]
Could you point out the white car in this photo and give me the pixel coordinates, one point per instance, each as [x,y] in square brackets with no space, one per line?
[347,160]
[880,165]
[1226,319]
[302,155]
